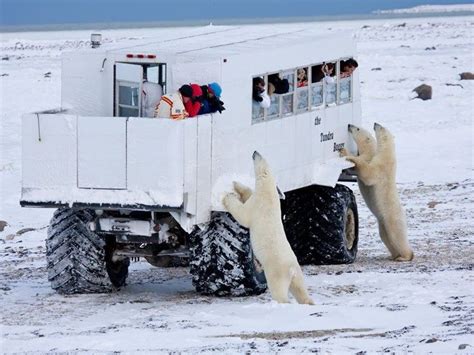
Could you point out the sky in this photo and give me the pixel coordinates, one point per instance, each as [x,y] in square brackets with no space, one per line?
[54,12]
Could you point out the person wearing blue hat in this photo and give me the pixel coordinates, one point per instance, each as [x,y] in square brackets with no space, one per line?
[211,101]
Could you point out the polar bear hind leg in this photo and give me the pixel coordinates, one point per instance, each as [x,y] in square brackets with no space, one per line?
[397,233]
[278,284]
[298,289]
[393,234]
[386,239]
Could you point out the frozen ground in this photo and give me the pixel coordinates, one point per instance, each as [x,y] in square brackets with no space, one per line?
[374,305]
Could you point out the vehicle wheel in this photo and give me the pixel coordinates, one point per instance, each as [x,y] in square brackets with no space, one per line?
[222,262]
[78,260]
[322,224]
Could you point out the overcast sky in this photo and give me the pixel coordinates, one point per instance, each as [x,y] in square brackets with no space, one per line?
[47,12]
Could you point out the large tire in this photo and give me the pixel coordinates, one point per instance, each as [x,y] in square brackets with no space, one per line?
[222,262]
[321,224]
[78,260]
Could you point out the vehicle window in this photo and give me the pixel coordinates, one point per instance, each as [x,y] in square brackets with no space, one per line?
[156,73]
[287,98]
[259,97]
[329,71]
[152,74]
[257,113]
[138,88]
[347,67]
[345,90]
[330,92]
[274,109]
[275,89]
[302,90]
[128,95]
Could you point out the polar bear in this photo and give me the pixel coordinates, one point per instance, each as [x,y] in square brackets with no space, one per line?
[376,171]
[260,212]
[367,147]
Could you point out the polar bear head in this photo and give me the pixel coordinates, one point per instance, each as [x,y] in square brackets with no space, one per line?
[384,137]
[366,143]
[264,179]
[262,170]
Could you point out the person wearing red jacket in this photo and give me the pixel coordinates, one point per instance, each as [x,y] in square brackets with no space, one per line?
[194,105]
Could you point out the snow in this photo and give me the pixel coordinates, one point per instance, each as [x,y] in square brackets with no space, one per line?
[426,9]
[373,305]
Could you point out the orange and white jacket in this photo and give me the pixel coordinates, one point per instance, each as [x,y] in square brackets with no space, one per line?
[171,106]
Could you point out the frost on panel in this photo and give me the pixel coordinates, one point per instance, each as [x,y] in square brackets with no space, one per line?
[316,94]
[274,109]
[331,93]
[302,99]
[287,104]
[257,111]
[287,99]
[345,87]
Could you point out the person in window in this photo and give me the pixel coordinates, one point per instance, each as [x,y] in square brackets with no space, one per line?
[193,105]
[151,95]
[348,67]
[320,72]
[211,101]
[277,85]
[302,77]
[259,95]
[172,106]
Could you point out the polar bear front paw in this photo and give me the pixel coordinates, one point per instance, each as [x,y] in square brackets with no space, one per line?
[352,159]
[343,152]
[228,198]
[243,191]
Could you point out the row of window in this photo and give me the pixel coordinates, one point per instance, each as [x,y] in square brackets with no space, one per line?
[308,88]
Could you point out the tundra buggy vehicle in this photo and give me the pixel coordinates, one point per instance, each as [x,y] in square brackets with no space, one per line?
[129,186]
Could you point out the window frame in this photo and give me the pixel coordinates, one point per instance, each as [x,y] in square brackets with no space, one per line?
[294,71]
[129,84]
[162,80]
[351,86]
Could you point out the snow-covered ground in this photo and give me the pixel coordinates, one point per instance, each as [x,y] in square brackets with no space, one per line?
[373,305]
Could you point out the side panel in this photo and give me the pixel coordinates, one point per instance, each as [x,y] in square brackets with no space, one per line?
[49,151]
[204,166]
[149,151]
[190,163]
[301,149]
[87,84]
[342,137]
[101,152]
[155,158]
[330,133]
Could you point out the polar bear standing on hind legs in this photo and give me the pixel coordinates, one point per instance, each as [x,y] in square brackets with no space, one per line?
[376,169]
[260,212]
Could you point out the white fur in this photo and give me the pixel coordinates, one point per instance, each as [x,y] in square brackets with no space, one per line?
[260,212]
[376,170]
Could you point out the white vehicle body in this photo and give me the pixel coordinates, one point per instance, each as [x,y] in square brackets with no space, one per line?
[85,155]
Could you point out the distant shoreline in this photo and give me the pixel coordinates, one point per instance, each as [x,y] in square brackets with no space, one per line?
[237,21]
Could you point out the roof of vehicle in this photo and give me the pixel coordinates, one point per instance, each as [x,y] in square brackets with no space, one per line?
[210,42]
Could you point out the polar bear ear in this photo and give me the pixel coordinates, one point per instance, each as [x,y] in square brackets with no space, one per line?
[280,194]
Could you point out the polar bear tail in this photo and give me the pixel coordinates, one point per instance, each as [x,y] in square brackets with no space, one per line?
[298,289]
